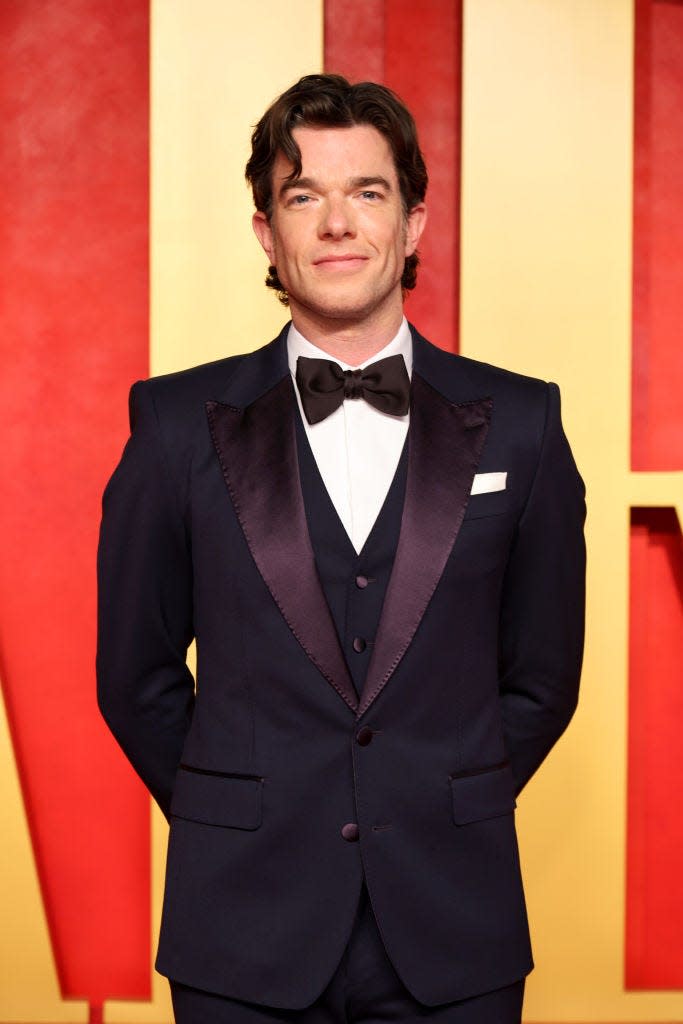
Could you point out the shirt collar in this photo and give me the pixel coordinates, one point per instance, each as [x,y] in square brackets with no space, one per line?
[401,344]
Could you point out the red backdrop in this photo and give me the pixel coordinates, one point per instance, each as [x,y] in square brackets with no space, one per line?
[73,259]
[654,905]
[416,49]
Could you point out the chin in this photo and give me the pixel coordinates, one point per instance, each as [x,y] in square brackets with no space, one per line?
[345,308]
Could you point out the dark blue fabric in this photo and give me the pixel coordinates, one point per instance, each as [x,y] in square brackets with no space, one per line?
[356,611]
[364,989]
[294,790]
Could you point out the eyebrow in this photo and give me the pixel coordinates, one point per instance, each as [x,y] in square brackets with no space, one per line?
[290,184]
[375,180]
[363,182]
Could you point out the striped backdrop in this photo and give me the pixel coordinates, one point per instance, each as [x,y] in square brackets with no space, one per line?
[553,131]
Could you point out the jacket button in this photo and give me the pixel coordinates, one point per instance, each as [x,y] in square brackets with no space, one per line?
[361,582]
[359,644]
[364,736]
[350,832]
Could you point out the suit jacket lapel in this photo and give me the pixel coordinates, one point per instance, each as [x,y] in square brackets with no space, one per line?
[253,431]
[256,446]
[445,442]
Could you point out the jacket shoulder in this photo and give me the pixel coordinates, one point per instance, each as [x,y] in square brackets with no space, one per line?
[521,404]
[460,377]
[236,380]
[498,377]
[184,387]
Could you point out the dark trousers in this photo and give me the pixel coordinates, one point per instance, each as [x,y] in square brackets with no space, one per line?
[364,989]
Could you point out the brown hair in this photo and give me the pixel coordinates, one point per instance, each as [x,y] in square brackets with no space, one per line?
[331,101]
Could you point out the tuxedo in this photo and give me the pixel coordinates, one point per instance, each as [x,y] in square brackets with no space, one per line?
[294,775]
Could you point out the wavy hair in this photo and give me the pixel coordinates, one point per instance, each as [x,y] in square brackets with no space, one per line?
[331,101]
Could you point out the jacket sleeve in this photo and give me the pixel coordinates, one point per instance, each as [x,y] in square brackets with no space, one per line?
[542,614]
[145,690]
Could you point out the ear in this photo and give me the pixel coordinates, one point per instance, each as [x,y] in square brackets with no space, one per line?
[264,233]
[415,225]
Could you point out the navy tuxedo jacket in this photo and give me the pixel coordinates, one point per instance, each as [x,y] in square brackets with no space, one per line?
[473,676]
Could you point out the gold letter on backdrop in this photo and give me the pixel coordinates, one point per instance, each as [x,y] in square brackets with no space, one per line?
[546,290]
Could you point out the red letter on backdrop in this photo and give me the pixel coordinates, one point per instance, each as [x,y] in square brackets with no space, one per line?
[74,106]
[654,904]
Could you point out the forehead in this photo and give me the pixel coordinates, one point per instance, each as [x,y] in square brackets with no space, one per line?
[330,153]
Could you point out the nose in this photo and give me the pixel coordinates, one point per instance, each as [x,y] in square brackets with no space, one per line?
[337,220]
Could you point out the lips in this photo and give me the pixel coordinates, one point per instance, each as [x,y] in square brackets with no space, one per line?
[340,260]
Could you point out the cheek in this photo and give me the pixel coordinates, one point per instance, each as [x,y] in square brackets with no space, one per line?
[287,250]
[287,263]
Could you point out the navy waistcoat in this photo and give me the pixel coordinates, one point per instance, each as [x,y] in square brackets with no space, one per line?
[354,583]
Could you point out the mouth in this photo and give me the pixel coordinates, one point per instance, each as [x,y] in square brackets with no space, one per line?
[340,261]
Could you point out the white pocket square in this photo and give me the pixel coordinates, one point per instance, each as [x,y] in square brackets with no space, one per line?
[484,482]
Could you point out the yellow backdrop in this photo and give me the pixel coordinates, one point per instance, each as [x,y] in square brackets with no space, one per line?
[546,288]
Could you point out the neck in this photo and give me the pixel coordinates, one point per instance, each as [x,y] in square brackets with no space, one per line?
[351,342]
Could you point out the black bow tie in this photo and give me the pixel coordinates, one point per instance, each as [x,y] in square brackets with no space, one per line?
[323,386]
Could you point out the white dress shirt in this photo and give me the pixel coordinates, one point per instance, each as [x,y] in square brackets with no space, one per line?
[356,447]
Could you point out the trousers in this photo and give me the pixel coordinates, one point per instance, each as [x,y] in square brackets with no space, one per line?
[364,989]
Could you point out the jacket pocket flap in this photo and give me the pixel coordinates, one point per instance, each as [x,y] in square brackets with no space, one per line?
[213,798]
[481,795]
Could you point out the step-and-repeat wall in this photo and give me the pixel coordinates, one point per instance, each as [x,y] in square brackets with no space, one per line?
[554,134]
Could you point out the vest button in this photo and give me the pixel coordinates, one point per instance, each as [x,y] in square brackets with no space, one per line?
[359,644]
[350,832]
[361,582]
[364,736]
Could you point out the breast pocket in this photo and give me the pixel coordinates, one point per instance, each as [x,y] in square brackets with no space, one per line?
[226,799]
[491,503]
[479,795]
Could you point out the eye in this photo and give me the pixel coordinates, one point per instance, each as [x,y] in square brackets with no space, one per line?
[369,193]
[298,200]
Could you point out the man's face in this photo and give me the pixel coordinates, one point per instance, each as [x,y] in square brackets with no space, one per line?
[338,235]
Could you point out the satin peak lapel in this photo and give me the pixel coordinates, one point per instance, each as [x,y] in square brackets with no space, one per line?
[445,442]
[256,447]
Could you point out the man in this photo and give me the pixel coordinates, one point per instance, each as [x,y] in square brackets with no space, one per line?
[381,557]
